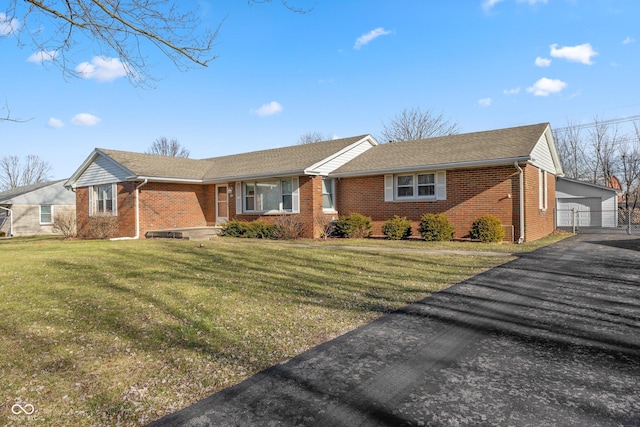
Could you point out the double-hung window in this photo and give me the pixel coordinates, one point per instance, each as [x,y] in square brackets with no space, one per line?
[46,214]
[278,195]
[103,200]
[416,186]
[328,194]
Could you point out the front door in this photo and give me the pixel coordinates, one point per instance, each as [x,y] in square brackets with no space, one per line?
[222,204]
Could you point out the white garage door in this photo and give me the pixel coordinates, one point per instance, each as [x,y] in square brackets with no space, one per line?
[588,212]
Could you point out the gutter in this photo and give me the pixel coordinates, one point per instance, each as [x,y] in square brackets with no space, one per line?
[434,167]
[521,191]
[10,220]
[137,236]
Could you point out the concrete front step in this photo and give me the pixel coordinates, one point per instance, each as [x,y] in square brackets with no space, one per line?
[195,233]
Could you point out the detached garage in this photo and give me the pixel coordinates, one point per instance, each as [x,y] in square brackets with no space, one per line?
[585,205]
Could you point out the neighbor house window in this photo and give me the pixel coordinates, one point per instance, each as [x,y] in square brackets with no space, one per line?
[46,214]
[271,196]
[103,200]
[328,194]
[542,191]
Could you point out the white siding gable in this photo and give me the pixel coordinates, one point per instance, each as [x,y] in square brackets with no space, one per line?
[102,171]
[541,155]
[328,165]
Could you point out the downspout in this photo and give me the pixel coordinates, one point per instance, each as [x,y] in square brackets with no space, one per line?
[137,236]
[10,220]
[521,191]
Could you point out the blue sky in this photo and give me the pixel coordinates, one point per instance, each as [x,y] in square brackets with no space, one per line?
[341,69]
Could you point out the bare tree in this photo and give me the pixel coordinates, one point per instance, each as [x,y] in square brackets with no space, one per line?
[571,151]
[311,137]
[630,161]
[165,147]
[414,123]
[603,138]
[14,173]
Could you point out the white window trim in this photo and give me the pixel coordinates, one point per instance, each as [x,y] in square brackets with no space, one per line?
[114,201]
[543,189]
[295,197]
[331,210]
[40,216]
[391,187]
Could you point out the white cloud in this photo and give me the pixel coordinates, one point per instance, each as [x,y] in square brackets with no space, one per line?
[42,56]
[489,4]
[102,69]
[55,123]
[269,109]
[485,102]
[628,40]
[513,91]
[581,53]
[545,87]
[543,62]
[8,25]
[370,36]
[85,119]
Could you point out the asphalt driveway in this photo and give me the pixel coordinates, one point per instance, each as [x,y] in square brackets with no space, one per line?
[552,338]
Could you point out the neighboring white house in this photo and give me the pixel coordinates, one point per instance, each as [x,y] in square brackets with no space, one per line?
[582,204]
[29,210]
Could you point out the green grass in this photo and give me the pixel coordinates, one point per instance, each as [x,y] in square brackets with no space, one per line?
[102,332]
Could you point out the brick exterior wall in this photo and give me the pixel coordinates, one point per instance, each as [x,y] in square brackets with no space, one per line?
[470,194]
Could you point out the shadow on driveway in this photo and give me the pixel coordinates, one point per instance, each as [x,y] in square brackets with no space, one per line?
[552,338]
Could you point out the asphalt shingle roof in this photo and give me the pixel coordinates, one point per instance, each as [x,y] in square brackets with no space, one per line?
[19,191]
[293,159]
[484,146]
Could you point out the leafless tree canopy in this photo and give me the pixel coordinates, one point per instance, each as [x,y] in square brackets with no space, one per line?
[311,137]
[115,28]
[415,123]
[14,173]
[600,153]
[165,147]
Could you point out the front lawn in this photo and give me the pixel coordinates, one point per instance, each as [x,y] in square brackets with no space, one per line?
[108,332]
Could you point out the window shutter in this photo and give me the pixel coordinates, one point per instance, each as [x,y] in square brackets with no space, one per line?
[441,185]
[388,188]
[91,200]
[114,201]
[238,197]
[295,195]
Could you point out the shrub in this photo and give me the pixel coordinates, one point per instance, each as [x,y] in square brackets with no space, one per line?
[397,228]
[324,224]
[487,228]
[288,227]
[354,225]
[252,230]
[435,228]
[2,234]
[65,223]
[103,226]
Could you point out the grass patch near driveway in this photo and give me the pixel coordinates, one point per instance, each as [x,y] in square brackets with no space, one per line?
[108,332]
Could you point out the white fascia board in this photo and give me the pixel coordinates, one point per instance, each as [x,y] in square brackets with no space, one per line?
[164,179]
[70,183]
[441,166]
[313,169]
[554,151]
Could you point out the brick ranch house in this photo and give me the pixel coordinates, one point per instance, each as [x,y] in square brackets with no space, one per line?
[509,173]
